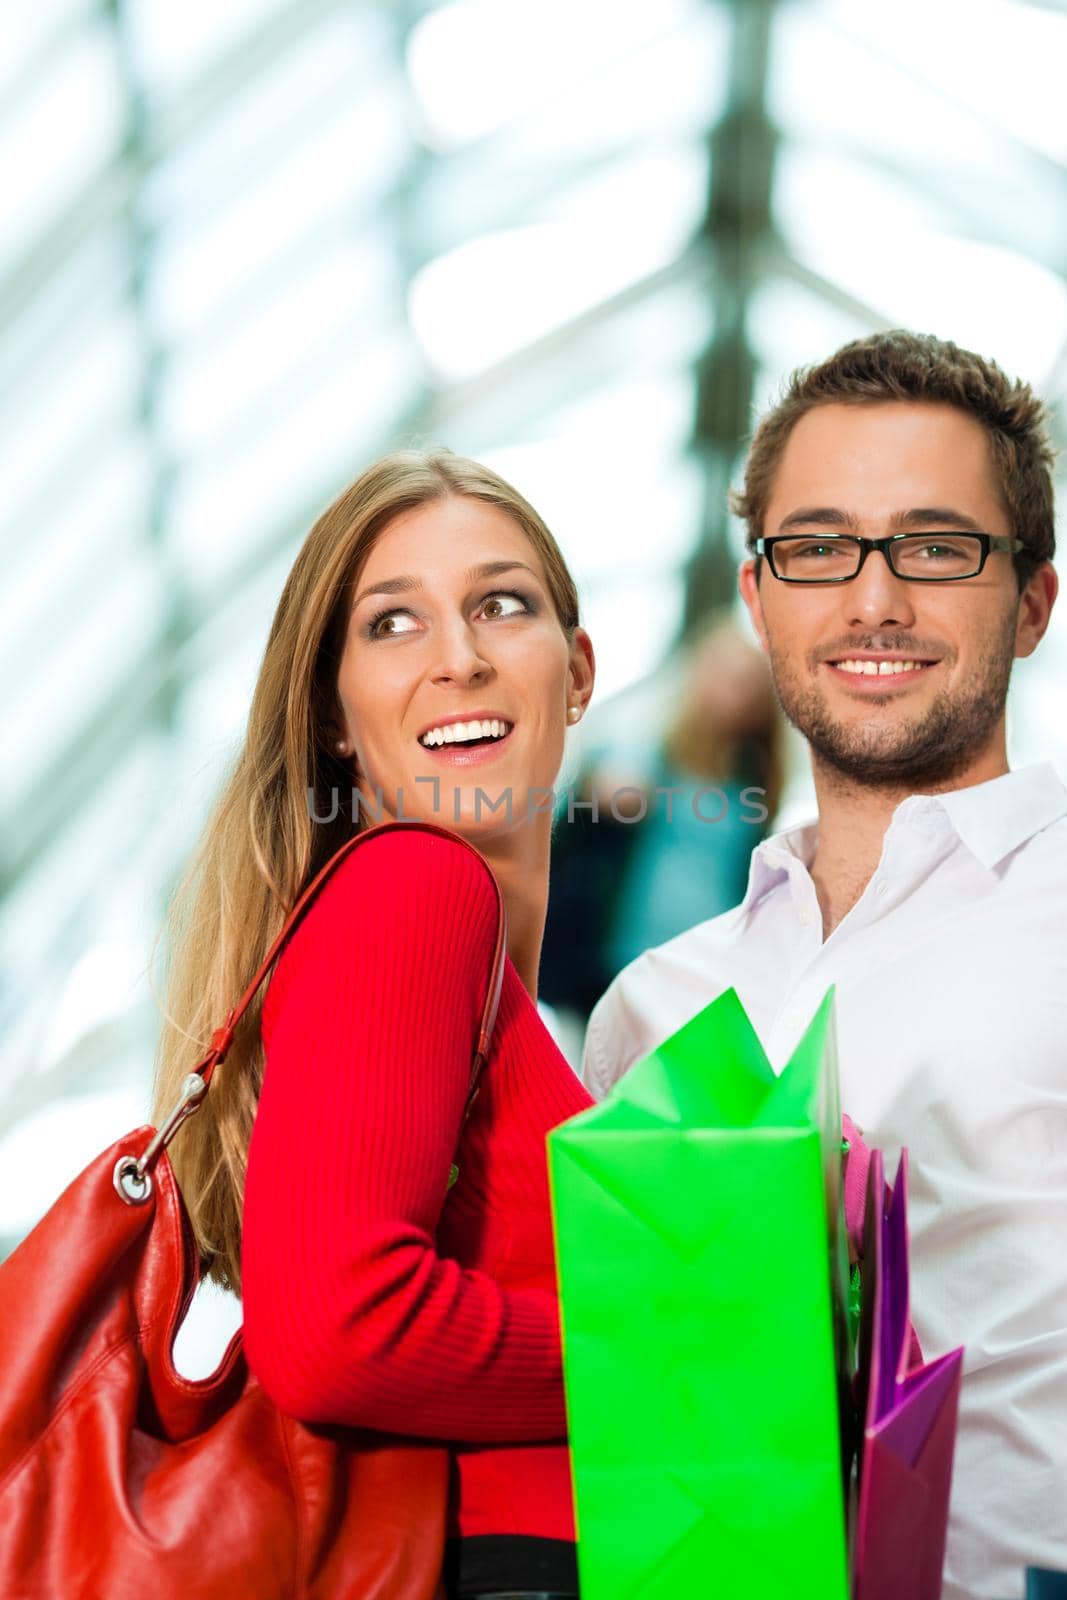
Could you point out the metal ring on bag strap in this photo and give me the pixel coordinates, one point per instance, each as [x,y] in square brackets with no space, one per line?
[132,1176]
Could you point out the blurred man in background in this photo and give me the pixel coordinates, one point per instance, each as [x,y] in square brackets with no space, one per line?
[898,502]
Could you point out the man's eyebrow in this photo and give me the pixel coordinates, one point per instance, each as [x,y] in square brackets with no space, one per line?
[405,583]
[915,517]
[818,517]
[935,517]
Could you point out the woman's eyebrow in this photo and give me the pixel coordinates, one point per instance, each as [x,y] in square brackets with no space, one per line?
[401,585]
[405,583]
[494,569]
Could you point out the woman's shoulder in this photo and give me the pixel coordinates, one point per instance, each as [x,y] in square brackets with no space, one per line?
[408,879]
[409,900]
[429,862]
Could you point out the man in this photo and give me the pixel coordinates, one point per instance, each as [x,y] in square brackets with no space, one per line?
[898,503]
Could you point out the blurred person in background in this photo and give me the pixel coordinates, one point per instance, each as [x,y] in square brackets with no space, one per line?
[662,829]
[426,647]
[900,521]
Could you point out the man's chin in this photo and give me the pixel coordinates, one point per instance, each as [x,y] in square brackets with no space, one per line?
[900,766]
[934,751]
[892,752]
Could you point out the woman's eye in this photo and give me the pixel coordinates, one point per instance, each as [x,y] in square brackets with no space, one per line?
[387,624]
[504,604]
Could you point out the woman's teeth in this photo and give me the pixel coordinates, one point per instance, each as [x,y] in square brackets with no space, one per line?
[464,732]
[881,669]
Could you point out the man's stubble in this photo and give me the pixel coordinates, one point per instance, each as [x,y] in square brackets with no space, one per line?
[911,753]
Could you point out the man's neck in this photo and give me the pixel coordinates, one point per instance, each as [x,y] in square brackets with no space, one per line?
[853,818]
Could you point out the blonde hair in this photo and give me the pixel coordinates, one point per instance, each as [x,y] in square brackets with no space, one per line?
[260,846]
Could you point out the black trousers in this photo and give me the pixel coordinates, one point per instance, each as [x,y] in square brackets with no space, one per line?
[511,1567]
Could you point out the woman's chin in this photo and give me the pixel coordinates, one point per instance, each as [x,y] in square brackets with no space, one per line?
[484,810]
[480,808]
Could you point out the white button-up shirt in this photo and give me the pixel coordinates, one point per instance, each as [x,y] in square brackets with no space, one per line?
[951,978]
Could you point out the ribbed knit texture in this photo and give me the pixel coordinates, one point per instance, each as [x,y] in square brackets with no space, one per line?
[352,1312]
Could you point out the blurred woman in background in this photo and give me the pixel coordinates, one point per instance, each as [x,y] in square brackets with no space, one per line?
[678,813]
[721,758]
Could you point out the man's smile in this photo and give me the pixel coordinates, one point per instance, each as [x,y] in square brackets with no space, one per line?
[880,671]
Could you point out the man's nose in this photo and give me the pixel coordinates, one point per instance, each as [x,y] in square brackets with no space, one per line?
[459,655]
[876,597]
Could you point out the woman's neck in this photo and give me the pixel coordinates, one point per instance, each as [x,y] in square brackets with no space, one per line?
[520,861]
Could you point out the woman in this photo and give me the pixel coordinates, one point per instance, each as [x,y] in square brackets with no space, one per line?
[721,759]
[424,663]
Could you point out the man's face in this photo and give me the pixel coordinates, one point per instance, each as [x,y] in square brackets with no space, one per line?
[875,470]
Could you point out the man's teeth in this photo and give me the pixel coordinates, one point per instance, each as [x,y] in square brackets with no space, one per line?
[880,669]
[463,732]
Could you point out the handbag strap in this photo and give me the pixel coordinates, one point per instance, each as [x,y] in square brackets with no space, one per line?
[222,1037]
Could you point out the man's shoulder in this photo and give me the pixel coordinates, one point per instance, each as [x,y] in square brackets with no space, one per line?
[653,996]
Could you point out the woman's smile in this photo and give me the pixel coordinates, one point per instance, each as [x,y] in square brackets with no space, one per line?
[468,739]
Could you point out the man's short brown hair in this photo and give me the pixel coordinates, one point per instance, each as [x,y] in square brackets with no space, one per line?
[916,366]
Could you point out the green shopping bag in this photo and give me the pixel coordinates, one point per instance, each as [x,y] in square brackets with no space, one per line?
[703,1276]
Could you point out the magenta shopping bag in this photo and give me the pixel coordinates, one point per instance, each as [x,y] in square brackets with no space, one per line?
[909,1418]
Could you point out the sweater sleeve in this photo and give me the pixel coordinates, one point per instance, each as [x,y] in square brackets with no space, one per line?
[369,1028]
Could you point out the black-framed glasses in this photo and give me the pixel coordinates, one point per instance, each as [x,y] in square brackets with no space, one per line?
[934,557]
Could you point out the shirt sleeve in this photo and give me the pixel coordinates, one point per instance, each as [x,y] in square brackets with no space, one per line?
[369,1029]
[605,1055]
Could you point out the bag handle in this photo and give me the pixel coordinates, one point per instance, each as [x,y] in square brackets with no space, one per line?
[132,1181]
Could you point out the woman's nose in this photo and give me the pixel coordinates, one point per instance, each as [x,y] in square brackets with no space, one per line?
[459,656]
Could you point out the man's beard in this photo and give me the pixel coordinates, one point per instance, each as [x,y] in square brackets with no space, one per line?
[911,753]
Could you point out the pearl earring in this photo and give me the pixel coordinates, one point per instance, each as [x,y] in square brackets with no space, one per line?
[342,746]
[574,713]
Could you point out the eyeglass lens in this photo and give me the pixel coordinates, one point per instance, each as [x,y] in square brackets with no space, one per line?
[920,555]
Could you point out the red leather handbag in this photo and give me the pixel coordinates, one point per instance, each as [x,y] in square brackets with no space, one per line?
[121,1478]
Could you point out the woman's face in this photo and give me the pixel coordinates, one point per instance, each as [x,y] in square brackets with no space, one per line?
[730,686]
[452,625]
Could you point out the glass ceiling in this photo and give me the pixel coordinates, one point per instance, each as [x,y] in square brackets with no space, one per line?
[246,248]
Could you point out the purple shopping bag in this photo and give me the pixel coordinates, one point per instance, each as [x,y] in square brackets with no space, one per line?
[908,1414]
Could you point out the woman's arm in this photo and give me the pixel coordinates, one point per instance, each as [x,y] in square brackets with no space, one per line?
[369,1028]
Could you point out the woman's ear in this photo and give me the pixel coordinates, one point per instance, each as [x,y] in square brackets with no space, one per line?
[582,671]
[336,739]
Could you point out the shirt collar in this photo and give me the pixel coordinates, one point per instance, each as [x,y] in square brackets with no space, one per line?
[992,819]
[770,861]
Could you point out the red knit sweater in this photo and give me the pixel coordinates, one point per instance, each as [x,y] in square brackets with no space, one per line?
[369,1297]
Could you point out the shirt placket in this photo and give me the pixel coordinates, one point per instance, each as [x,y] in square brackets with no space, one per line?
[913,845]
[796,1007]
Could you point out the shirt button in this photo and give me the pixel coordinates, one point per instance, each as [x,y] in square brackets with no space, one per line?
[805,918]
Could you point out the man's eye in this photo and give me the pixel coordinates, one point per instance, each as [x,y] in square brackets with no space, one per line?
[938,549]
[387,624]
[504,604]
